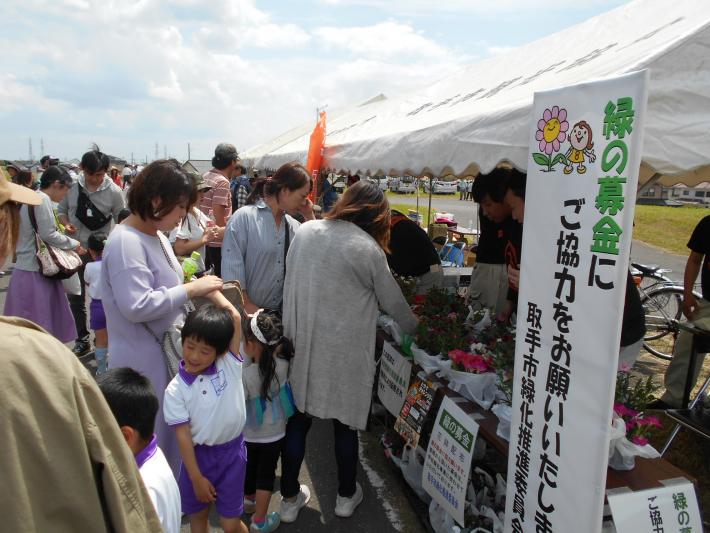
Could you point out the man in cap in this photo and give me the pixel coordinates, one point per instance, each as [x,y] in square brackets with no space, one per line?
[217,202]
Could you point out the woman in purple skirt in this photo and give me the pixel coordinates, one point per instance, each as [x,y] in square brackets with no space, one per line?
[142,287]
[30,295]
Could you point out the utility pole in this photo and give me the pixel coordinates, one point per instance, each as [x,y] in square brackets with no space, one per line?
[165,151]
[133,162]
[31,155]
[188,152]
[41,147]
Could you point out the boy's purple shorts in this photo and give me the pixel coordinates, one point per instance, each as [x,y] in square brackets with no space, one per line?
[97,318]
[225,466]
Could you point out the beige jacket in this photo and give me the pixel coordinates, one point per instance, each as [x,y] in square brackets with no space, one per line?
[64,465]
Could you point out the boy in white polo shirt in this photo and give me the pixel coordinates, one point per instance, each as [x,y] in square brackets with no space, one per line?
[205,404]
[133,402]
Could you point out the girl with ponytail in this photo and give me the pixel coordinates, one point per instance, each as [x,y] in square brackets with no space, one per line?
[269,404]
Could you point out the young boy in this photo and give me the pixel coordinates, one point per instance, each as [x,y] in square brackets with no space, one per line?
[133,402]
[205,404]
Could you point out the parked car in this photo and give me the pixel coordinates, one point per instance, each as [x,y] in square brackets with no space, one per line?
[404,185]
[380,181]
[442,187]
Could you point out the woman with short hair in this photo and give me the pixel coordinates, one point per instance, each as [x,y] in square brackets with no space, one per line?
[259,234]
[142,285]
[30,295]
[337,279]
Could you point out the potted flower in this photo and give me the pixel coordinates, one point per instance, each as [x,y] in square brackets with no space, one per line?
[631,428]
[470,374]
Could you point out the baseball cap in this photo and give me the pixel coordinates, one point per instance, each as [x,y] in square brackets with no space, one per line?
[225,152]
[11,192]
[52,159]
[202,185]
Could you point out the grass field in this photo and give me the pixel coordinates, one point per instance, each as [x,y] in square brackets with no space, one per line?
[423,196]
[667,227]
[404,209]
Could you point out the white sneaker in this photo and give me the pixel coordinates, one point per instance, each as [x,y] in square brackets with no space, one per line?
[249,506]
[289,510]
[345,507]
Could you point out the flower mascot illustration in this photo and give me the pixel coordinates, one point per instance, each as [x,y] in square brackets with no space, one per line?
[580,139]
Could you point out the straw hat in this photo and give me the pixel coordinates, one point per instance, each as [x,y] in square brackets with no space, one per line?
[10,192]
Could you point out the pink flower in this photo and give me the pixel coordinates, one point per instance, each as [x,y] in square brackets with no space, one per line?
[624,367]
[650,421]
[452,316]
[638,439]
[551,129]
[457,356]
[621,410]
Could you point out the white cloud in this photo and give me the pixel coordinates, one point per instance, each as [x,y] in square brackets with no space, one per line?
[128,73]
[273,36]
[472,6]
[385,40]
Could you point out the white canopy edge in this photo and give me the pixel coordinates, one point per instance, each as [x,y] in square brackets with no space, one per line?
[480,116]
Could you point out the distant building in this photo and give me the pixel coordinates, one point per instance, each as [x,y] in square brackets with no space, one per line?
[679,192]
[199,166]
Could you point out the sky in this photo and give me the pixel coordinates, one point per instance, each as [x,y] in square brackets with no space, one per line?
[127,74]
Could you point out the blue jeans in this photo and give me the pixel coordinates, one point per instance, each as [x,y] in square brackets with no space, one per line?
[294,450]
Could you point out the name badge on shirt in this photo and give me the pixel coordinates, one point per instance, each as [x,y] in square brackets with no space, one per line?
[219,382]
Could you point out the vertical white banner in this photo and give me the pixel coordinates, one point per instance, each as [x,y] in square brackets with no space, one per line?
[585,154]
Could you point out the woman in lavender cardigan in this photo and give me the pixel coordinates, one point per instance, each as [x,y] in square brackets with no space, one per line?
[142,282]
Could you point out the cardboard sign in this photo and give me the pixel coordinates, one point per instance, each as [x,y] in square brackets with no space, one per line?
[448,458]
[673,507]
[395,372]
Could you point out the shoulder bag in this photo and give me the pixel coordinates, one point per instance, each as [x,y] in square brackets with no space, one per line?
[87,213]
[54,263]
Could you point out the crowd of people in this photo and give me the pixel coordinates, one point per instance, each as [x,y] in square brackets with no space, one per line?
[156,438]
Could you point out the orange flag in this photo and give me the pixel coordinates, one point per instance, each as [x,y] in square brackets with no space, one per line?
[315,152]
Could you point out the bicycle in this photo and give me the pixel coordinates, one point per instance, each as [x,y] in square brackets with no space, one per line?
[662,301]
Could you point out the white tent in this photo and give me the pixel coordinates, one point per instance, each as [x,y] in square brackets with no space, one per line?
[481,115]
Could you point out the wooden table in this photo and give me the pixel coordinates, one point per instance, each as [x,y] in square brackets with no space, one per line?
[647,473]
[460,233]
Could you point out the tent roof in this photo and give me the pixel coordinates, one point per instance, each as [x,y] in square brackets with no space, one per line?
[480,116]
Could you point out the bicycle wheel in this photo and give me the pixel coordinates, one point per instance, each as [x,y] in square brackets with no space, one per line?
[661,306]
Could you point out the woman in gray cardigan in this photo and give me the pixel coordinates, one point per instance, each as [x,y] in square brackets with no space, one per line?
[336,280]
[30,295]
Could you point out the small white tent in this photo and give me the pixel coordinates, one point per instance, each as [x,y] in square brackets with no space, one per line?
[481,115]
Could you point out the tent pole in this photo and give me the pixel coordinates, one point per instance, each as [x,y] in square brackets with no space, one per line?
[416,190]
[431,186]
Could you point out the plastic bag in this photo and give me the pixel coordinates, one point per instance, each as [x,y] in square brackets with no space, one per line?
[504,414]
[440,520]
[412,466]
[623,452]
[430,363]
[72,285]
[482,324]
[388,324]
[479,388]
